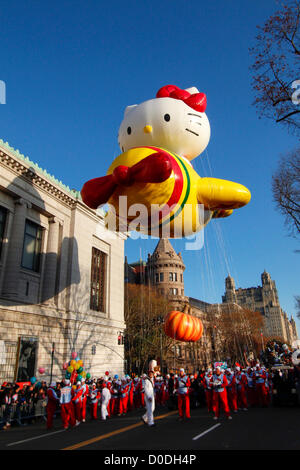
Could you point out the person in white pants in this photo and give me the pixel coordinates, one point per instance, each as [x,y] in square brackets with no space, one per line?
[148,386]
[105,397]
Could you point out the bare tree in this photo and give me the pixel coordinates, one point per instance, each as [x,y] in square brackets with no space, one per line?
[145,339]
[276,66]
[286,190]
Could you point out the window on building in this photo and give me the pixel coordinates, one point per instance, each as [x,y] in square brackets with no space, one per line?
[3,213]
[32,246]
[156,277]
[170,276]
[161,277]
[98,280]
[173,291]
[175,277]
[181,278]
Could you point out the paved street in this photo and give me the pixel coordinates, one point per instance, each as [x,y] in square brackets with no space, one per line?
[261,429]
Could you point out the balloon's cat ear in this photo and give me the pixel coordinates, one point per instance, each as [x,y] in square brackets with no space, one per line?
[129,108]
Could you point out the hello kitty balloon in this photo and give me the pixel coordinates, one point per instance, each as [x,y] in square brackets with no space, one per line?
[153,177]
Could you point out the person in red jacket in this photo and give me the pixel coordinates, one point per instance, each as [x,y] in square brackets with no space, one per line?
[182,385]
[53,400]
[85,393]
[131,390]
[260,388]
[241,386]
[67,409]
[77,401]
[231,390]
[137,388]
[124,397]
[208,389]
[94,395]
[115,396]
[219,383]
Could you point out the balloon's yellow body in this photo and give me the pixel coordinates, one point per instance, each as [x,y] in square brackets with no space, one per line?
[179,206]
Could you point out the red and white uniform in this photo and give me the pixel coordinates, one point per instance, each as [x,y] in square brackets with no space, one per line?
[51,405]
[77,402]
[94,395]
[231,391]
[115,398]
[137,388]
[124,397]
[260,388]
[219,383]
[67,409]
[85,394]
[250,387]
[182,385]
[208,390]
[157,391]
[241,386]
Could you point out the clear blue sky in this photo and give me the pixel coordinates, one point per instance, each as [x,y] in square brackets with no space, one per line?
[71,67]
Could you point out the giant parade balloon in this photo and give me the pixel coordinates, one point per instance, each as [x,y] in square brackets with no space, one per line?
[151,186]
[183,327]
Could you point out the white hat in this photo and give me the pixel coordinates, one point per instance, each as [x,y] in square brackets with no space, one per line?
[67,381]
[78,383]
[191,377]
[237,368]
[181,370]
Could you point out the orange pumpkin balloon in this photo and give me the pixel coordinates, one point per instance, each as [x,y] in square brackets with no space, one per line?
[183,327]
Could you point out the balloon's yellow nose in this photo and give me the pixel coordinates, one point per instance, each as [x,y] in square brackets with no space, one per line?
[148,129]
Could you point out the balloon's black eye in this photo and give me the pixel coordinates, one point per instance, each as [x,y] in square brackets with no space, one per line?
[129,130]
[167,117]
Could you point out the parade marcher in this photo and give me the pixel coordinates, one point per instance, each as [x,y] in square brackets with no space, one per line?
[105,397]
[148,389]
[250,387]
[208,390]
[157,390]
[115,396]
[182,385]
[137,388]
[52,404]
[77,401]
[85,393]
[231,390]
[260,389]
[131,394]
[67,409]
[94,395]
[124,391]
[219,384]
[241,385]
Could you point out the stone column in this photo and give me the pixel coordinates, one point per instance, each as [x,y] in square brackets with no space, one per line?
[50,268]
[15,249]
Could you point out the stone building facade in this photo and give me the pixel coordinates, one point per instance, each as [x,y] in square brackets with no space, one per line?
[61,277]
[263,299]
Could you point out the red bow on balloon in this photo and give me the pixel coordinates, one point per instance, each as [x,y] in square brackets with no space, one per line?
[197,101]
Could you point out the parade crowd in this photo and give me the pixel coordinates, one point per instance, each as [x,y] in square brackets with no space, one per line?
[108,396]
